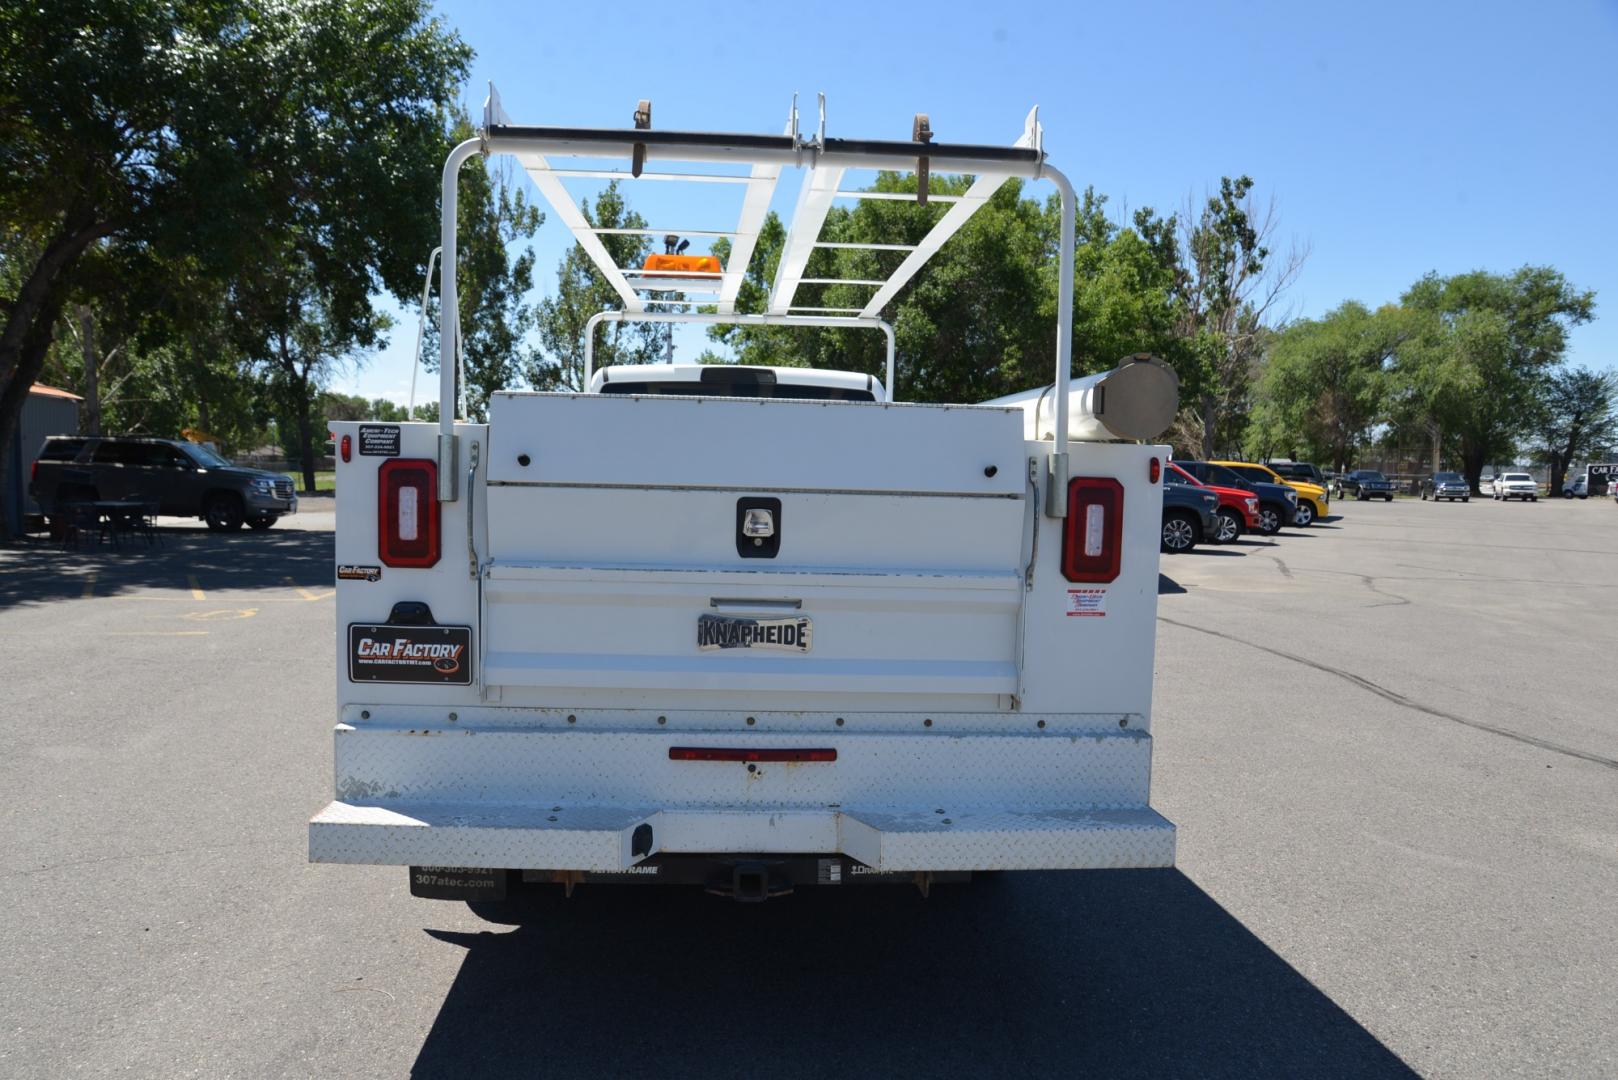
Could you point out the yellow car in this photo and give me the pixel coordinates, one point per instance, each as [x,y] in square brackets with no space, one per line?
[1313,502]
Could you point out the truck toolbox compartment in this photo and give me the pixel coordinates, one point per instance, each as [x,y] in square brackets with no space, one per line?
[752,444]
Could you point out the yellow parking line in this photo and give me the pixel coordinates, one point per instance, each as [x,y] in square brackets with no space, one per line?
[222,613]
[89,586]
[196,589]
[155,633]
[255,599]
[308,594]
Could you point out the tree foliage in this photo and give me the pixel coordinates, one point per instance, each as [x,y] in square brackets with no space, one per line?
[1226,289]
[492,287]
[215,135]
[1324,383]
[200,200]
[980,320]
[1480,347]
[1577,417]
[581,292]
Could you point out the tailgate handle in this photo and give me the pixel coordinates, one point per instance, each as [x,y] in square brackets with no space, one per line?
[722,602]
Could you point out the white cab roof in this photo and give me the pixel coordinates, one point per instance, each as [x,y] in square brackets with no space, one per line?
[691,373]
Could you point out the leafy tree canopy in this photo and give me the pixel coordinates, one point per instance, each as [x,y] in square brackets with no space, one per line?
[216,135]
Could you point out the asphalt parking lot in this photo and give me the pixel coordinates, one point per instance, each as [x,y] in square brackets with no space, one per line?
[1389,742]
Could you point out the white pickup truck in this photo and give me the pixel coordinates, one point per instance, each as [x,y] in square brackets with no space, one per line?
[1515,485]
[749,628]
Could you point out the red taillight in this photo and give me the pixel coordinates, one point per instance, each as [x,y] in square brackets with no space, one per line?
[1154,470]
[723,753]
[1092,535]
[33,471]
[407,512]
[347,447]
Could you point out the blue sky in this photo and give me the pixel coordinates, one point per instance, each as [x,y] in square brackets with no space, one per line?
[1396,138]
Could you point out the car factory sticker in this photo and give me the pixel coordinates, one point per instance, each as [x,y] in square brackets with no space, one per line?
[410,654]
[379,440]
[1087,602]
[359,573]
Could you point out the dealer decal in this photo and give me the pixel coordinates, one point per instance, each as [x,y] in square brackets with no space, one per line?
[1090,602]
[410,654]
[349,572]
[379,440]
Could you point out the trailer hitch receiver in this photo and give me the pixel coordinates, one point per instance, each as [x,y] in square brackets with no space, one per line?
[751,883]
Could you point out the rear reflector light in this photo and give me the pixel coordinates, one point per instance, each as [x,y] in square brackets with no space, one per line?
[1154,470]
[1095,525]
[722,753]
[407,512]
[347,447]
[1092,538]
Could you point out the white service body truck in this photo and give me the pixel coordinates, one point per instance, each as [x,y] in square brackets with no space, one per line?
[744,634]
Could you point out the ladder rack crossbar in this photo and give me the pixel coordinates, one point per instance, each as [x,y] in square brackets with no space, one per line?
[624,174]
[663,232]
[897,196]
[699,275]
[692,146]
[864,247]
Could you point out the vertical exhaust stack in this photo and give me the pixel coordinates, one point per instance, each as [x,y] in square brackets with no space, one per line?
[1137,400]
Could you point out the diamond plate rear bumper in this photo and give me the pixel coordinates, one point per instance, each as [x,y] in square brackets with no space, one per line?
[601,838]
[599,792]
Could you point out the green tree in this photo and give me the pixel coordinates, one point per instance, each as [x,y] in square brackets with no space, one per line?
[1324,381]
[977,322]
[1480,349]
[297,341]
[581,292]
[212,130]
[1578,416]
[492,287]
[1123,287]
[1226,289]
[335,406]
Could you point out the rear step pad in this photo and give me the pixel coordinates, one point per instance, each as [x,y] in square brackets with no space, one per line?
[613,839]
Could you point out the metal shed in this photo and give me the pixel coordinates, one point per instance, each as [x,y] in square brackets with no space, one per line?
[48,411]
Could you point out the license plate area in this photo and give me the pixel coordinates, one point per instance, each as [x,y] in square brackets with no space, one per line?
[793,634]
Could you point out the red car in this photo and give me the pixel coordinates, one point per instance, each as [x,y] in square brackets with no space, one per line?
[1238,509]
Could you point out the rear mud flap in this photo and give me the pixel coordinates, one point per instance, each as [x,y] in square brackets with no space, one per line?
[457,883]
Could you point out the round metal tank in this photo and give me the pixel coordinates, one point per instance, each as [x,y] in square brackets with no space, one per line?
[1137,400]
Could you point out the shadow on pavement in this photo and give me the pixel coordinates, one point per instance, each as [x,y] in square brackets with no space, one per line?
[1167,586]
[39,571]
[1098,973]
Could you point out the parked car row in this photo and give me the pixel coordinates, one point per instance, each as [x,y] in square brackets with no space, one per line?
[1219,501]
